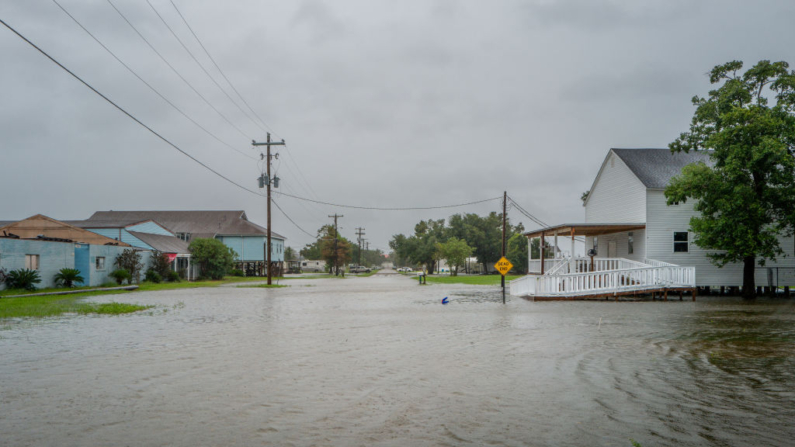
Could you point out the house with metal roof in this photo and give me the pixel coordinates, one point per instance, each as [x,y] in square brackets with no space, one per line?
[638,242]
[47,245]
[231,227]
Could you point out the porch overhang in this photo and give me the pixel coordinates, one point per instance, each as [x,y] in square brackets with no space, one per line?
[585,229]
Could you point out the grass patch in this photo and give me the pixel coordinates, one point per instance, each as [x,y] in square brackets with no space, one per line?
[481,280]
[50,306]
[9,292]
[262,286]
[363,275]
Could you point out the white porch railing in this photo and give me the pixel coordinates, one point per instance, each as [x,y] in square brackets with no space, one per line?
[615,275]
[582,265]
[655,263]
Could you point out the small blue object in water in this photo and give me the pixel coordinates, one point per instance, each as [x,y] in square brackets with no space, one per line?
[444,301]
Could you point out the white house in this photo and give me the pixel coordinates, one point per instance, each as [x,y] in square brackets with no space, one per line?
[642,242]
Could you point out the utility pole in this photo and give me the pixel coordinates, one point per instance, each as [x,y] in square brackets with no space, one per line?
[336,269]
[268,246]
[359,240]
[504,220]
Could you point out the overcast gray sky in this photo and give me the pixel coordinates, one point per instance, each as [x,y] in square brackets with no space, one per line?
[384,104]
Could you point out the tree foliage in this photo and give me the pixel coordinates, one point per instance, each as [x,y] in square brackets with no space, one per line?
[160,264]
[130,260]
[334,249]
[213,257]
[746,195]
[482,234]
[455,252]
[517,252]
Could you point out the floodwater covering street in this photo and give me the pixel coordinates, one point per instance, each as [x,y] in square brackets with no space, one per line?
[380,361]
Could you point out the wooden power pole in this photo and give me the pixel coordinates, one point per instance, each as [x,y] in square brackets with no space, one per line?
[336,252]
[267,181]
[504,221]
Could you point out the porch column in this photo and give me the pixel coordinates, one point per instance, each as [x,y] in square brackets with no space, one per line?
[555,249]
[543,239]
[529,255]
[572,267]
[188,273]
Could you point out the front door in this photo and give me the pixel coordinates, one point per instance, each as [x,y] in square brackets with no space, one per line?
[611,249]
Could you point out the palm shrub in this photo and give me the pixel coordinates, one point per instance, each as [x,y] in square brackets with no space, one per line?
[68,277]
[23,279]
[120,275]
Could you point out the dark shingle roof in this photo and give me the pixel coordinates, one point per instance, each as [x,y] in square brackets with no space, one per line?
[163,243]
[209,223]
[656,167]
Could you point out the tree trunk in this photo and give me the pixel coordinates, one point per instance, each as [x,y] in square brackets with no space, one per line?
[749,282]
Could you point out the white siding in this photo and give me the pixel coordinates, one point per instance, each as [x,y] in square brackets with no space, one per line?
[622,245]
[616,196]
[661,223]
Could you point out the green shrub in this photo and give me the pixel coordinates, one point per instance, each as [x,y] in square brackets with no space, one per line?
[152,276]
[159,262]
[120,275]
[173,276]
[23,279]
[130,260]
[214,258]
[68,277]
[236,272]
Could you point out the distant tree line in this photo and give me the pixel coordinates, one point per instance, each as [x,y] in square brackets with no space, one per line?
[461,236]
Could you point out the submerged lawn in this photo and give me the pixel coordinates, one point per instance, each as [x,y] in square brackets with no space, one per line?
[49,306]
[482,280]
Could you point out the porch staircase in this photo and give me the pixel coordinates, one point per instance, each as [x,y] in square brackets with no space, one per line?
[583,278]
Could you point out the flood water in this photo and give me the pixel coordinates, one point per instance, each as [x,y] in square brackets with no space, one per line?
[380,361]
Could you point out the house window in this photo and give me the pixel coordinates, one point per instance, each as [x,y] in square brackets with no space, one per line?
[680,242]
[304,264]
[630,242]
[32,262]
[100,263]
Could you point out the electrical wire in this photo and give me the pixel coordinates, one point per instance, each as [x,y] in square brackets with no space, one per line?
[177,72]
[202,66]
[164,139]
[221,71]
[134,73]
[291,220]
[385,208]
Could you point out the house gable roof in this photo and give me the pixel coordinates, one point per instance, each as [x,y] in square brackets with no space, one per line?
[163,243]
[656,167]
[50,228]
[204,223]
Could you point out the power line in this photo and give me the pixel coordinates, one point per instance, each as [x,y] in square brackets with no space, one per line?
[134,73]
[175,70]
[221,71]
[292,221]
[126,112]
[202,66]
[385,208]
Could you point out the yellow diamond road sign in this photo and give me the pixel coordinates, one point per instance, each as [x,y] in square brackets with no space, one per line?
[503,266]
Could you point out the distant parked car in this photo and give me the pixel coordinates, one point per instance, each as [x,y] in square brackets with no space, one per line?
[359,269]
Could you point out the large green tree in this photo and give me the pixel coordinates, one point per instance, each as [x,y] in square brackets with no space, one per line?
[746,195]
[455,251]
[213,257]
[334,249]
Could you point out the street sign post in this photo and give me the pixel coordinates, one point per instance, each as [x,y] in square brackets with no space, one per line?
[503,266]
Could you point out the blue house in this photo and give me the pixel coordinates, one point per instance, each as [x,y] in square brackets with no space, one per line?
[47,245]
[233,228]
